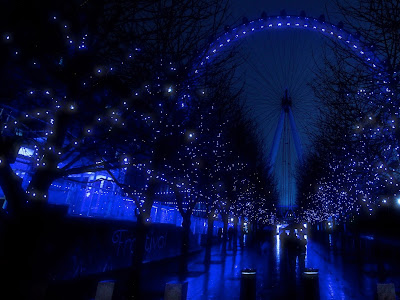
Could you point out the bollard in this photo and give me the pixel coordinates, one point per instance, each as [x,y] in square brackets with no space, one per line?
[248,284]
[176,290]
[105,290]
[386,291]
[311,284]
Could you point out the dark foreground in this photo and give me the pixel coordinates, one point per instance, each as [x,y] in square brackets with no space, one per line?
[348,269]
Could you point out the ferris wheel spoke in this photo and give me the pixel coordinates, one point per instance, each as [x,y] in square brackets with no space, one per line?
[276,62]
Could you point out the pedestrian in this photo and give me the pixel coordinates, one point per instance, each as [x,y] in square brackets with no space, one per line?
[220,233]
[230,233]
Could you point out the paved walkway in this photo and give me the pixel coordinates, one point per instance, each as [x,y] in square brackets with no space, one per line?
[343,274]
[279,275]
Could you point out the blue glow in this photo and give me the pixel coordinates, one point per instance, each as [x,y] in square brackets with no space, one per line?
[98,197]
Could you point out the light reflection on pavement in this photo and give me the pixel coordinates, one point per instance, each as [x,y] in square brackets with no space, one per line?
[341,276]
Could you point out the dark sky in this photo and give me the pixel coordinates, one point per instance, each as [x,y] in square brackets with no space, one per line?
[253,8]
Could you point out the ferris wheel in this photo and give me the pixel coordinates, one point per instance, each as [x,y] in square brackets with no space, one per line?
[280,55]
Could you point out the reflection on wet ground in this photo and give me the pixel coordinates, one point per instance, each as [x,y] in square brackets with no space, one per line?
[346,272]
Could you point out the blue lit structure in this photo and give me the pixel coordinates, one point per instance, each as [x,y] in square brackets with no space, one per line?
[94,195]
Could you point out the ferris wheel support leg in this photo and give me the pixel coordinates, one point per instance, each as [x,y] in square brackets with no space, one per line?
[276,141]
[296,137]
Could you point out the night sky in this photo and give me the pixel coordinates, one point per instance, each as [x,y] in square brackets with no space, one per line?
[253,8]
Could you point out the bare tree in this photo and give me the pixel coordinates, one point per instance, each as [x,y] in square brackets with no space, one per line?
[359,140]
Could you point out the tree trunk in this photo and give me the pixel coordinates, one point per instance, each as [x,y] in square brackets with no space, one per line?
[225,232]
[241,236]
[235,233]
[253,233]
[186,233]
[210,229]
[139,253]
[185,242]
[11,185]
[40,184]
[142,229]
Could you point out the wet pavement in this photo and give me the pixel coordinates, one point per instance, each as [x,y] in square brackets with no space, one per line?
[347,272]
[349,268]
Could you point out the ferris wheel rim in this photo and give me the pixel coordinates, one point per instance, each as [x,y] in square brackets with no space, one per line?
[243,30]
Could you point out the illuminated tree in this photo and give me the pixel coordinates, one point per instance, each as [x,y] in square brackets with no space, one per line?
[358,146]
[101,88]
[58,97]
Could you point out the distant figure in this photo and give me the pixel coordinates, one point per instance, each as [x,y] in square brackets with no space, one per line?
[263,247]
[220,233]
[302,244]
[292,241]
[241,237]
[230,233]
